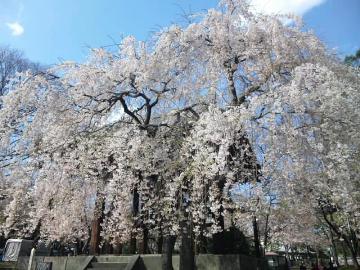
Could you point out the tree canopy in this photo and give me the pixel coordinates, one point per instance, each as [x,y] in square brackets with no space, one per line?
[238,119]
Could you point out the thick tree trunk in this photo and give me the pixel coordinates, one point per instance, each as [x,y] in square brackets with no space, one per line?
[117,249]
[95,236]
[159,244]
[256,238]
[345,254]
[167,251]
[308,254]
[99,216]
[96,225]
[353,251]
[79,246]
[36,233]
[107,248]
[135,211]
[218,238]
[231,85]
[354,258]
[287,253]
[132,247]
[144,242]
[317,256]
[62,250]
[349,240]
[334,249]
[201,246]
[266,233]
[353,244]
[2,240]
[187,254]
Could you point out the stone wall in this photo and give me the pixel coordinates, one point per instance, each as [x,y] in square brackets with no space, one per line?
[153,262]
[58,263]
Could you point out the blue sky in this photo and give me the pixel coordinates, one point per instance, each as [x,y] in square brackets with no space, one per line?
[49,31]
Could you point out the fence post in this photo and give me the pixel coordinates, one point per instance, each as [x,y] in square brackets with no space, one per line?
[31,260]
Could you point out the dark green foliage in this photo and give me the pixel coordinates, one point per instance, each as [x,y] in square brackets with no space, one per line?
[353,60]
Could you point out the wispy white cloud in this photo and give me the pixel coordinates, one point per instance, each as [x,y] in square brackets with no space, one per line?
[16,28]
[298,7]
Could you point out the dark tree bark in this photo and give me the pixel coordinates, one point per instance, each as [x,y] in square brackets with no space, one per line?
[2,240]
[117,249]
[345,254]
[99,216]
[334,249]
[350,240]
[266,233]
[187,254]
[35,235]
[159,244]
[135,211]
[201,246]
[231,84]
[132,246]
[218,238]
[167,251]
[256,238]
[107,248]
[144,242]
[354,257]
[96,225]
